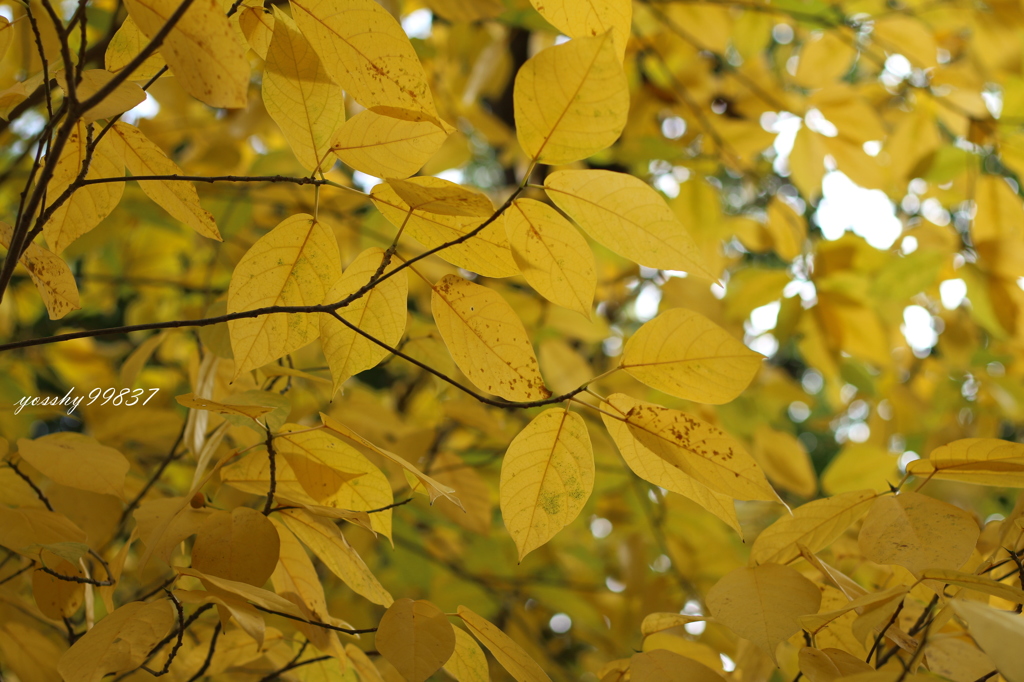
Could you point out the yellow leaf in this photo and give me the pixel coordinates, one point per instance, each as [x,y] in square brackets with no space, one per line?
[388,142]
[814,525]
[257,26]
[976,583]
[474,491]
[362,663]
[445,198]
[164,523]
[628,216]
[51,275]
[241,545]
[683,353]
[860,465]
[58,598]
[246,615]
[593,18]
[807,163]
[825,665]
[909,36]
[126,44]
[6,34]
[694,447]
[296,263]
[381,312]
[918,532]
[328,543]
[336,475]
[547,476]
[787,230]
[554,258]
[562,366]
[89,204]
[785,461]
[252,474]
[982,461]
[251,411]
[124,97]
[121,641]
[295,578]
[668,666]
[998,633]
[571,100]
[434,488]
[201,49]
[416,638]
[299,95]
[77,461]
[762,603]
[487,339]
[138,358]
[28,653]
[366,51]
[509,654]
[657,622]
[658,471]
[468,663]
[177,197]
[486,252]
[824,57]
[256,595]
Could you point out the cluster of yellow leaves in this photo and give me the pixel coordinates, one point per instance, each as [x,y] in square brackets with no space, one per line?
[873,580]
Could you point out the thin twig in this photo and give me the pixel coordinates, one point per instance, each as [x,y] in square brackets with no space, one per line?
[23,476]
[209,655]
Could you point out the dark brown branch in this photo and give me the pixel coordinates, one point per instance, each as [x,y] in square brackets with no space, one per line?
[209,178]
[209,655]
[23,476]
[326,626]
[14,575]
[272,454]
[881,635]
[75,578]
[292,666]
[177,645]
[154,478]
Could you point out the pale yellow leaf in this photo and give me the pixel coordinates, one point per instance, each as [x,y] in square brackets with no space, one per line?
[335,474]
[486,252]
[58,598]
[434,488]
[653,469]
[628,216]
[177,197]
[6,35]
[814,525]
[977,583]
[474,492]
[126,44]
[787,230]
[202,50]
[680,644]
[785,461]
[296,263]
[571,100]
[445,198]
[588,19]
[824,57]
[28,653]
[388,142]
[363,665]
[982,461]
[487,339]
[683,353]
[165,522]
[554,258]
[365,51]
[240,545]
[252,474]
[89,204]
[51,275]
[328,543]
[562,366]
[909,36]
[918,532]
[826,665]
[257,26]
[381,312]
[763,603]
[257,595]
[860,465]
[121,641]
[510,655]
[295,578]
[77,461]
[468,662]
[1000,634]
[246,615]
[668,666]
[657,622]
[299,95]
[124,97]
[138,358]
[416,638]
[250,411]
[807,162]
[696,448]
[547,476]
